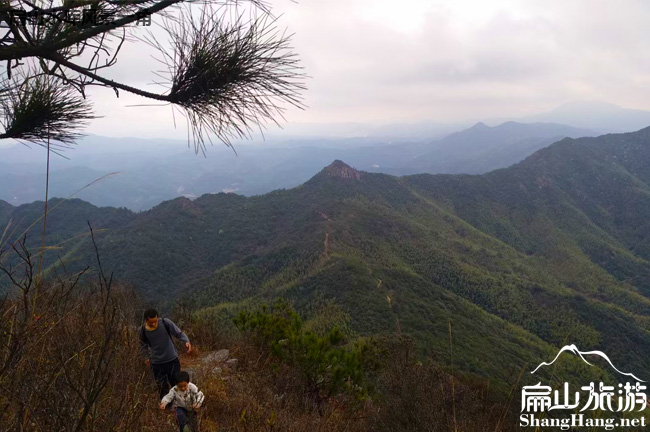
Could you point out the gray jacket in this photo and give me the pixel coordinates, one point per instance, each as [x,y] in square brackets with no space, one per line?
[157,345]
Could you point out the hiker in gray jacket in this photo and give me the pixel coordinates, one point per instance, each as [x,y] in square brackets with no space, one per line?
[158,348]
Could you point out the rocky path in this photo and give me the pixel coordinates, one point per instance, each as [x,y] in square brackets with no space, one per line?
[210,371]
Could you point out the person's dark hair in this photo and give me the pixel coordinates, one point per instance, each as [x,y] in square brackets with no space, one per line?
[183,376]
[150,313]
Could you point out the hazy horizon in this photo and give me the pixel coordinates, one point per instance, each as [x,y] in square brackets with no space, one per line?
[377,130]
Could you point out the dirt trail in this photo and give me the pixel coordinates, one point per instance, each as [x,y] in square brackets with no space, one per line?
[327,246]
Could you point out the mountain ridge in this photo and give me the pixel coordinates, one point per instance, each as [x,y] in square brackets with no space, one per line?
[518,259]
[156,171]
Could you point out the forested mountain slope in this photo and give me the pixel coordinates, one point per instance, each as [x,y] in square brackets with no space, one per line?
[549,251]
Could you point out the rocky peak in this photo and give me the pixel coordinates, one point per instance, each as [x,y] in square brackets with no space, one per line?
[341,169]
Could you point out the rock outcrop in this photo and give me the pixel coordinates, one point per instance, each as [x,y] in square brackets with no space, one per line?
[341,169]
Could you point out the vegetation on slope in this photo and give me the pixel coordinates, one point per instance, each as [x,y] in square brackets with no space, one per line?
[520,261]
[70,361]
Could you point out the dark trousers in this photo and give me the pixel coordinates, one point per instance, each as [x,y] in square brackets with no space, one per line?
[185,418]
[165,375]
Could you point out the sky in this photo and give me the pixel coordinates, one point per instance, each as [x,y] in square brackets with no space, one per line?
[380,62]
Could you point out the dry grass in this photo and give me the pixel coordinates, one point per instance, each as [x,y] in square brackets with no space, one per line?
[73,354]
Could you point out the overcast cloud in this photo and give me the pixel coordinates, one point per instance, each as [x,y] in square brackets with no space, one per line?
[380,61]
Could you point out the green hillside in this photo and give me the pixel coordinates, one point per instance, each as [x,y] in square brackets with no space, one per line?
[521,260]
[5,210]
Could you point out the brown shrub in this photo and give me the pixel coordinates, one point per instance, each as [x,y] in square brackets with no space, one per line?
[70,361]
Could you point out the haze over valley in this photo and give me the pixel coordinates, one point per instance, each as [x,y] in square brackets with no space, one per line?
[148,171]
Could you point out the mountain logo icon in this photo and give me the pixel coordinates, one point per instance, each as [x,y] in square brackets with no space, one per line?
[574,349]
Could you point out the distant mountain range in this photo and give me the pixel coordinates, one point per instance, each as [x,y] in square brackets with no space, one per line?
[601,117]
[521,260]
[598,116]
[481,148]
[151,171]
